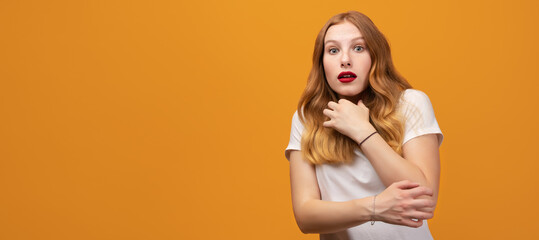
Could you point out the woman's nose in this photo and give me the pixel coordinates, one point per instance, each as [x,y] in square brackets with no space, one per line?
[345,60]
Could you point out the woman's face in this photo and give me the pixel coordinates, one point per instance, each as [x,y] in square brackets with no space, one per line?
[346,60]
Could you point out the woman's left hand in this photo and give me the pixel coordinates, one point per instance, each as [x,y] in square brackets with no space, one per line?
[349,119]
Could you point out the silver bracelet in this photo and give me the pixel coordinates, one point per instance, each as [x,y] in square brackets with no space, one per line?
[373,209]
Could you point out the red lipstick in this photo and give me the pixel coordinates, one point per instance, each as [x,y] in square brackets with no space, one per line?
[346,77]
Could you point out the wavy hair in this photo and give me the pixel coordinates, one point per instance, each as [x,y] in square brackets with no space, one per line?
[320,144]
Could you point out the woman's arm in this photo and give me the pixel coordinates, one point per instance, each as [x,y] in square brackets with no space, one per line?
[398,204]
[420,162]
[314,215]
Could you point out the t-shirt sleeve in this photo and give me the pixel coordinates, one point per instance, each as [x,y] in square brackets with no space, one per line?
[419,116]
[295,136]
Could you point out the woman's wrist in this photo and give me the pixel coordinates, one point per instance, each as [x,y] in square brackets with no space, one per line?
[363,209]
[373,216]
[363,134]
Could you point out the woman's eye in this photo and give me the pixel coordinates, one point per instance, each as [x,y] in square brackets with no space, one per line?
[358,48]
[333,50]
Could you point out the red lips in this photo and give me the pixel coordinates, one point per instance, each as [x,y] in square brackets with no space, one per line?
[346,77]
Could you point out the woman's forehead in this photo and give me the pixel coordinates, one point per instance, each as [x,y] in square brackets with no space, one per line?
[344,31]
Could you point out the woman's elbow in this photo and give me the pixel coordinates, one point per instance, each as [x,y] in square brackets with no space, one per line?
[303,223]
[305,228]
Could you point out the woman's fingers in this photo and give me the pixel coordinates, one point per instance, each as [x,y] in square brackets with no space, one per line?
[328,113]
[327,124]
[427,209]
[419,191]
[406,205]
[413,223]
[332,105]
[424,205]
[420,215]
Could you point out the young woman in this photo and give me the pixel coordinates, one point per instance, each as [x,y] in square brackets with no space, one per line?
[363,150]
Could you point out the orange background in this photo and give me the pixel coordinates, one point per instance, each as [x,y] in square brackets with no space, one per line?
[169,119]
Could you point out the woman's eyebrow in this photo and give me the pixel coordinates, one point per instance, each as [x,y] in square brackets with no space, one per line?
[335,41]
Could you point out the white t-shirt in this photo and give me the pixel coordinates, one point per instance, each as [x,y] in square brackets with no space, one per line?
[344,182]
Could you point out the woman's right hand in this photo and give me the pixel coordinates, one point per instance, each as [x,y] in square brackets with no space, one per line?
[403,203]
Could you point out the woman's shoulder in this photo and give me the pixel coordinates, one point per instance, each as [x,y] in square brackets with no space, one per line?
[296,120]
[413,94]
[296,117]
[415,98]
[418,115]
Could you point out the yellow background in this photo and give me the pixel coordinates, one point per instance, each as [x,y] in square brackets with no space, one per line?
[169,119]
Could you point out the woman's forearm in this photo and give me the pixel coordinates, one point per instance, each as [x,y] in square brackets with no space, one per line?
[388,164]
[391,167]
[318,216]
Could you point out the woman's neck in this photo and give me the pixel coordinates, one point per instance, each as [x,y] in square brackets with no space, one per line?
[355,99]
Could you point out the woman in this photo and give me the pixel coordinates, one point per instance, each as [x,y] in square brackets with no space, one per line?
[363,150]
